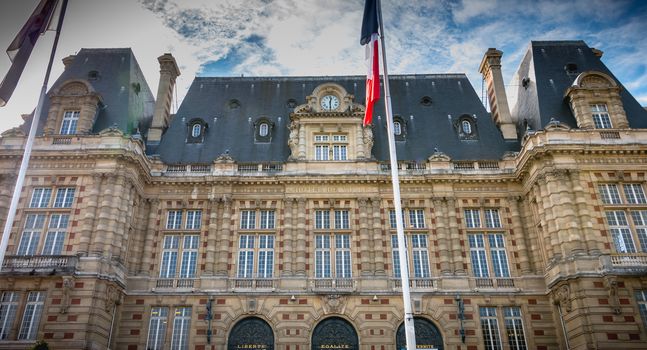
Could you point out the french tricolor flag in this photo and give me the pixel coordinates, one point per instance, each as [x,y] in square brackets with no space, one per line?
[369,38]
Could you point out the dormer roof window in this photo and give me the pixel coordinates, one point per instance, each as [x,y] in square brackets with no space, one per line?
[196,129]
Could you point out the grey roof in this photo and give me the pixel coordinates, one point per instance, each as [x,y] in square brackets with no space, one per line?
[232,130]
[118,73]
[543,99]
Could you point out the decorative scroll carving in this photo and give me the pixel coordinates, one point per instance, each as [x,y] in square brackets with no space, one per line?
[555,124]
[439,156]
[224,158]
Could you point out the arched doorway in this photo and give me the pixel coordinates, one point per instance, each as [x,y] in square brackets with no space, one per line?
[251,333]
[334,333]
[427,335]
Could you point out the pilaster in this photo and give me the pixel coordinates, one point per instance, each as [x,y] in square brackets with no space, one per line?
[378,238]
[300,269]
[364,239]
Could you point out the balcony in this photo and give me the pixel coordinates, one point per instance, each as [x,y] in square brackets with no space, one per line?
[492,283]
[414,283]
[253,284]
[39,264]
[332,285]
[175,283]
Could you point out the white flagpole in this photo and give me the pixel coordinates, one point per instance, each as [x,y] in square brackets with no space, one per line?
[402,247]
[30,142]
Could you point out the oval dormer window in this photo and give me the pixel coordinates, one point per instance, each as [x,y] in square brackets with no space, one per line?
[196,130]
[467,127]
[263,129]
[397,128]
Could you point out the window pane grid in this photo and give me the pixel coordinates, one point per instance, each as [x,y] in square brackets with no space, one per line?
[492,219]
[641,298]
[478,255]
[609,194]
[157,328]
[31,316]
[514,328]
[634,194]
[420,256]
[40,198]
[472,218]
[193,219]
[248,219]
[56,234]
[64,197]
[174,220]
[416,218]
[499,256]
[266,256]
[267,219]
[8,309]
[620,231]
[246,256]
[341,220]
[70,121]
[490,328]
[322,219]
[181,326]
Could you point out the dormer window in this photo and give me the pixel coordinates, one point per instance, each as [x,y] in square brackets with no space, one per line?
[600,115]
[397,128]
[69,123]
[196,130]
[467,127]
[263,129]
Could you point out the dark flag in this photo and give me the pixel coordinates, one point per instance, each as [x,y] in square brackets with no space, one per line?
[369,38]
[20,48]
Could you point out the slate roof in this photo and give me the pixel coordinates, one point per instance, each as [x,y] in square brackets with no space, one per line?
[117,71]
[544,64]
[232,130]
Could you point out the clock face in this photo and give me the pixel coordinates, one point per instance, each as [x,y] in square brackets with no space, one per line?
[329,102]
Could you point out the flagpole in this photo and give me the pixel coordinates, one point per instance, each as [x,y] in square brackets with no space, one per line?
[30,142]
[397,202]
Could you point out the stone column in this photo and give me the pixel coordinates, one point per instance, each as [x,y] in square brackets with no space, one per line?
[444,249]
[114,218]
[126,212]
[359,145]
[519,234]
[364,239]
[150,236]
[584,208]
[302,142]
[378,241]
[224,241]
[102,219]
[7,184]
[288,247]
[212,245]
[137,235]
[544,230]
[455,236]
[300,269]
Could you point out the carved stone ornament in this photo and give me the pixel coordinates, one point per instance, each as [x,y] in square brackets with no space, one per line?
[111,131]
[14,132]
[293,141]
[224,158]
[113,297]
[510,155]
[68,284]
[595,82]
[563,297]
[334,303]
[251,333]
[439,156]
[555,124]
[612,287]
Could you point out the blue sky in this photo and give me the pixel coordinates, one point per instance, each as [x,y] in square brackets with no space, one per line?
[310,37]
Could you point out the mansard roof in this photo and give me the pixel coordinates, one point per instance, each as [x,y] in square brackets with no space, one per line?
[127,101]
[231,105]
[552,67]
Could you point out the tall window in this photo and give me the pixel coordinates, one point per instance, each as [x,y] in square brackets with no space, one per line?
[514,328]
[641,299]
[8,309]
[31,234]
[417,244]
[246,256]
[181,327]
[175,246]
[420,256]
[54,237]
[256,245]
[626,215]
[600,115]
[70,121]
[490,328]
[196,130]
[487,249]
[31,316]
[55,234]
[331,147]
[157,328]
[324,252]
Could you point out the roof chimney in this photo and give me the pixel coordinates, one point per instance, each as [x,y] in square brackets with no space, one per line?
[491,70]
[162,114]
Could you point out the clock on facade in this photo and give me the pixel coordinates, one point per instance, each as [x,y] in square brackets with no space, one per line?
[329,102]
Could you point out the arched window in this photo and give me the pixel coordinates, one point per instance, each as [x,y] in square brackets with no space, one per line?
[397,128]
[196,130]
[467,127]
[263,129]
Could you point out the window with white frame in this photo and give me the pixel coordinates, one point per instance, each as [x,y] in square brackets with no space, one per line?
[157,328]
[490,328]
[600,115]
[54,234]
[493,243]
[40,197]
[472,218]
[323,219]
[64,197]
[418,248]
[184,247]
[412,218]
[250,246]
[331,147]
[31,316]
[514,328]
[174,220]
[181,328]
[397,128]
[30,237]
[263,129]
[196,130]
[626,215]
[8,310]
[325,251]
[253,219]
[70,122]
[193,219]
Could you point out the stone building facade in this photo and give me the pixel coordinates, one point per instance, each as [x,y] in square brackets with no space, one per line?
[260,215]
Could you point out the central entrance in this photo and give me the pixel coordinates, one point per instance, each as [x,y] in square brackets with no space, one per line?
[251,333]
[334,333]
